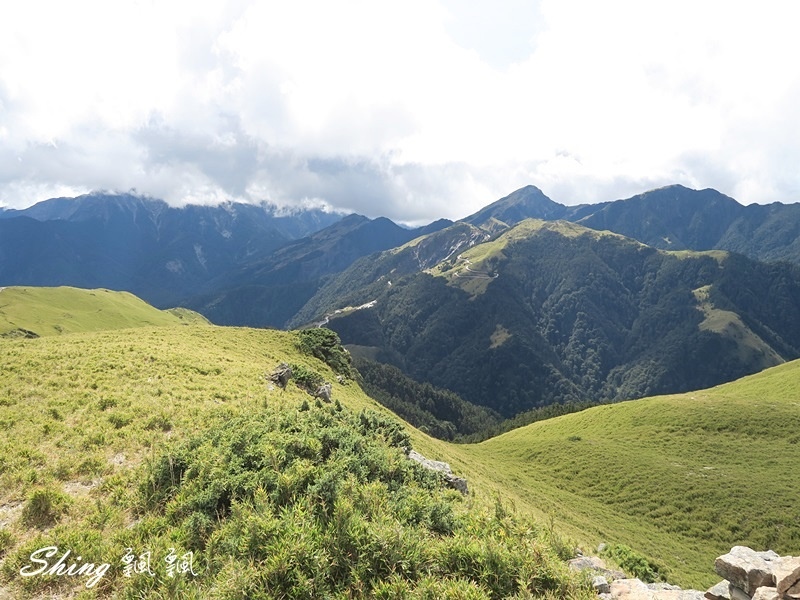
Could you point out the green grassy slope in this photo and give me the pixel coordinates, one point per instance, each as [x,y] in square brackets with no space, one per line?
[52,311]
[679,478]
[98,427]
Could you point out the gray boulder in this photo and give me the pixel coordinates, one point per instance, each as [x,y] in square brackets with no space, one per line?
[600,585]
[324,392]
[721,591]
[746,569]
[787,577]
[281,375]
[455,482]
[766,593]
[596,565]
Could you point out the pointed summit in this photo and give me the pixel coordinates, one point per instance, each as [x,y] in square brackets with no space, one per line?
[528,202]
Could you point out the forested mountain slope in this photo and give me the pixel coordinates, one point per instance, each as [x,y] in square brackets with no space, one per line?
[553,312]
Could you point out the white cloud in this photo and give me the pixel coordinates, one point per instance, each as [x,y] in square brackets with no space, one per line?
[414,109]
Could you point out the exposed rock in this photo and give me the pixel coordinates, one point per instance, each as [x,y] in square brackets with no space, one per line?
[752,575]
[455,482]
[630,589]
[600,585]
[721,591]
[746,569]
[749,575]
[766,593]
[9,513]
[787,576]
[680,595]
[583,563]
[324,392]
[20,333]
[281,375]
[79,488]
[595,564]
[434,465]
[737,593]
[769,555]
[663,587]
[635,589]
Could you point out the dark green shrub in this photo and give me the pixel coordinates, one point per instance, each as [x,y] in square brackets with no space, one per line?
[159,423]
[306,379]
[325,345]
[323,502]
[119,420]
[634,563]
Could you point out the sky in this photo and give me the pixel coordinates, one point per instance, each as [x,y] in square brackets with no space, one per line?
[412,109]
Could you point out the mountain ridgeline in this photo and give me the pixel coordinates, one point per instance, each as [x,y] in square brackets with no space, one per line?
[553,312]
[668,218]
[524,304]
[141,245]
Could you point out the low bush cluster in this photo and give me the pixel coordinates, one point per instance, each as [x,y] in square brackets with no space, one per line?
[325,345]
[323,502]
[634,563]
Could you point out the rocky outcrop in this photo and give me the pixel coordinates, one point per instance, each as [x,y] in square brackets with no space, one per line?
[749,575]
[455,482]
[281,375]
[636,589]
[624,588]
[596,566]
[324,392]
[752,575]
[20,333]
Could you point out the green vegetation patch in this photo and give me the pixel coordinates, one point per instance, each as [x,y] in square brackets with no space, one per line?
[325,345]
[160,443]
[43,311]
[324,502]
[679,479]
[634,563]
[751,348]
[438,412]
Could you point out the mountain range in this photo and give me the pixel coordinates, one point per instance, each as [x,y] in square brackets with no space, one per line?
[142,245]
[668,218]
[523,304]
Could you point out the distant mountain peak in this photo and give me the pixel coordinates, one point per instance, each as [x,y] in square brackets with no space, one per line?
[528,202]
[677,191]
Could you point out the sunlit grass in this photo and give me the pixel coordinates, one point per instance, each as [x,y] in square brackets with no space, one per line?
[679,479]
[84,417]
[57,310]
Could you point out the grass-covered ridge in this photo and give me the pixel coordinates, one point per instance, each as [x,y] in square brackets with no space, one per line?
[174,440]
[44,311]
[679,478]
[474,268]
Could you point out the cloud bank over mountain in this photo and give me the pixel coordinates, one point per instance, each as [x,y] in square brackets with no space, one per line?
[410,110]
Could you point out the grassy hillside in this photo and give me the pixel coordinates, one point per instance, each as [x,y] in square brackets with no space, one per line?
[679,478]
[52,311]
[155,438]
[173,437]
